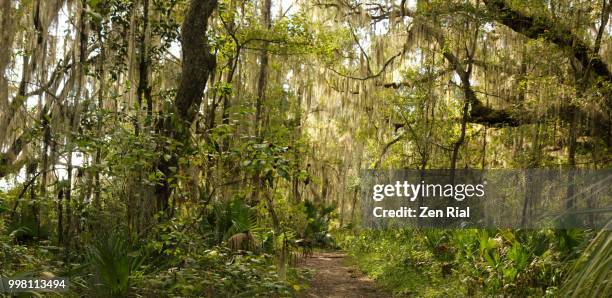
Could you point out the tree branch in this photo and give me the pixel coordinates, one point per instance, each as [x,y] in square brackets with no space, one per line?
[541,26]
[371,76]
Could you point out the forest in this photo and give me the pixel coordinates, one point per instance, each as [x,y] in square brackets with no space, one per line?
[220,148]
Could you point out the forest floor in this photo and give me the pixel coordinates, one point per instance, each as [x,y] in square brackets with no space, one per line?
[332,277]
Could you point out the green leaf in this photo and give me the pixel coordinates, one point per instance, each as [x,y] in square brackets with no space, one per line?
[3,208]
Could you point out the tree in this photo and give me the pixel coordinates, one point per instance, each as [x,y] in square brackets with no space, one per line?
[197,64]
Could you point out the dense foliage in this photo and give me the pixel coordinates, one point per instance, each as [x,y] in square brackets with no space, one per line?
[435,263]
[203,147]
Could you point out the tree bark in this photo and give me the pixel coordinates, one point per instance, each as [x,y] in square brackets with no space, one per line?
[263,69]
[198,62]
[7,35]
[197,65]
[261,92]
[144,90]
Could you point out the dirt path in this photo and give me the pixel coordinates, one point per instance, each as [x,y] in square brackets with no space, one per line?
[333,278]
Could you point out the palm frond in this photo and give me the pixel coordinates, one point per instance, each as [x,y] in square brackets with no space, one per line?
[591,275]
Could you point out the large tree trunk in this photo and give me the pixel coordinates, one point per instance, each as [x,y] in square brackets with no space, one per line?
[198,63]
[543,27]
[263,69]
[144,90]
[7,35]
[261,92]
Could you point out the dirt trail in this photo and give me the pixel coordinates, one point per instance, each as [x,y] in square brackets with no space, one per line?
[333,278]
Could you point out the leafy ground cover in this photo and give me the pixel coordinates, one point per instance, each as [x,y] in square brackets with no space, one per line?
[435,263]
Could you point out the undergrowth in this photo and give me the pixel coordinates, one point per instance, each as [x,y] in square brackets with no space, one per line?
[467,263]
